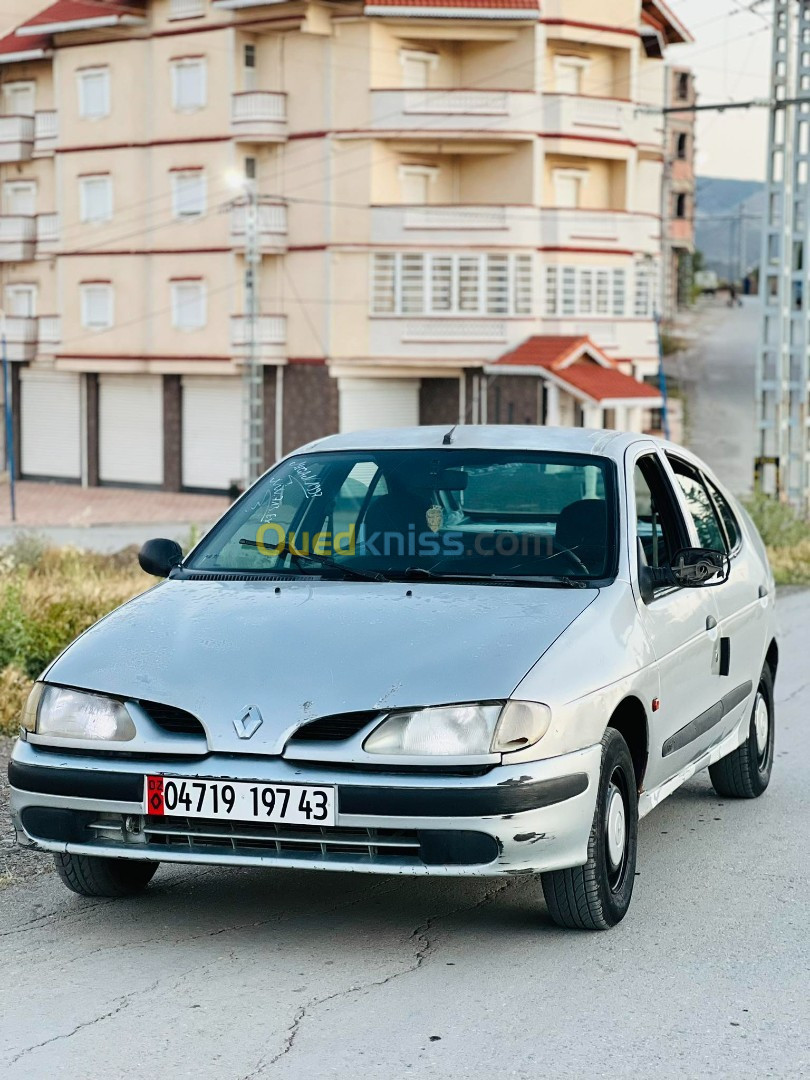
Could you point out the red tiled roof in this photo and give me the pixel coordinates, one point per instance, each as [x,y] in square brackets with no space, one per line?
[79,11]
[13,43]
[581,364]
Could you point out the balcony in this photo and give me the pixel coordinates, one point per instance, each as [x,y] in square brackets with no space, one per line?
[620,338]
[18,234]
[564,228]
[259,116]
[451,338]
[47,233]
[271,332]
[401,225]
[16,138]
[600,118]
[460,111]
[45,132]
[50,334]
[272,226]
[21,337]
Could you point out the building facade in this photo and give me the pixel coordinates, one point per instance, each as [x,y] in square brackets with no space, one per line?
[437,183]
[679,192]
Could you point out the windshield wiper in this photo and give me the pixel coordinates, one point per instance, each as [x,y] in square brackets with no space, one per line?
[319,560]
[418,573]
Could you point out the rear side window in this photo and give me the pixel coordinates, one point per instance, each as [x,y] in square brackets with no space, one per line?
[699,503]
[730,524]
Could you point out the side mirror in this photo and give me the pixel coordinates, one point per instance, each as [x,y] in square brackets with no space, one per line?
[159,557]
[692,568]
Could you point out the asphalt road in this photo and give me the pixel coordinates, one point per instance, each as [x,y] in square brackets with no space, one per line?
[238,974]
[717,376]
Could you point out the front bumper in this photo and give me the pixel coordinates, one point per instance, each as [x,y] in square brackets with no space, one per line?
[514,819]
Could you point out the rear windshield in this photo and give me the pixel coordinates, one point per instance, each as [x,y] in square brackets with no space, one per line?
[453,512]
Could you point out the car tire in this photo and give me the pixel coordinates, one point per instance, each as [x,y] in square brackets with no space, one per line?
[746,771]
[597,895]
[92,875]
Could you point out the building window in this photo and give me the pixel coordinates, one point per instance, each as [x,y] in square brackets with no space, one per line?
[416,68]
[568,74]
[681,146]
[20,197]
[680,205]
[250,168]
[95,198]
[585,290]
[18,98]
[405,283]
[188,305]
[94,93]
[189,193]
[644,296]
[568,184]
[189,90]
[20,300]
[682,86]
[249,66]
[97,305]
[414,183]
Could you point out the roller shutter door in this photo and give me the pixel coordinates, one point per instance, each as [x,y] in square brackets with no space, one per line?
[212,432]
[130,420]
[378,403]
[50,424]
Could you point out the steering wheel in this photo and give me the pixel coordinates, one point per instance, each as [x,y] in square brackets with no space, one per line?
[573,561]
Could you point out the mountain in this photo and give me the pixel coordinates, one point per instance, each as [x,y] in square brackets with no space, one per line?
[728,224]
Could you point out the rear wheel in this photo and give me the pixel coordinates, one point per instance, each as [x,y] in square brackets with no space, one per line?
[92,875]
[746,771]
[597,895]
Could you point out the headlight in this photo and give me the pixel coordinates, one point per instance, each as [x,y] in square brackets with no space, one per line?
[461,730]
[72,714]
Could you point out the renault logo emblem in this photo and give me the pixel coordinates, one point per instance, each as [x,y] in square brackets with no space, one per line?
[248,722]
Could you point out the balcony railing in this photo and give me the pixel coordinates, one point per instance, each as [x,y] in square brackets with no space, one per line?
[186,9]
[479,102]
[454,110]
[272,225]
[259,115]
[456,338]
[397,224]
[16,138]
[455,217]
[271,335]
[50,333]
[567,227]
[47,232]
[18,234]
[46,129]
[21,337]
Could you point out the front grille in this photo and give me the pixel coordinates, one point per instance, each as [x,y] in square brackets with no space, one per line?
[177,721]
[333,728]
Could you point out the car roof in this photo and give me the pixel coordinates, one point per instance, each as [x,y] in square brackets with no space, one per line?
[610,444]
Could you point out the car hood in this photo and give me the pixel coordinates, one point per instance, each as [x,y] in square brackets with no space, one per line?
[299,650]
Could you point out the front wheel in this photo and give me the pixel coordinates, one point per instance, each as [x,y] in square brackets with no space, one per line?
[93,875]
[597,895]
[746,771]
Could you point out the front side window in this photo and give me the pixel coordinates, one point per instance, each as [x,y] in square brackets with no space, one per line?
[658,526]
[94,93]
[95,198]
[189,91]
[699,504]
[450,514]
[97,305]
[188,305]
[189,193]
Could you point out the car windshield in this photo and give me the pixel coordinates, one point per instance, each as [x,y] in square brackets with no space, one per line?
[450,513]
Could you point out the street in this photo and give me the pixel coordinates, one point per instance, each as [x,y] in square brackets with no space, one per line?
[239,974]
[717,375]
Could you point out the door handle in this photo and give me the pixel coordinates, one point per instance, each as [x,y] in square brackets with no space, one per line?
[711,622]
[762,592]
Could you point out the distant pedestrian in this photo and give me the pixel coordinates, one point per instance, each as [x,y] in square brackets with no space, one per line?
[733,299]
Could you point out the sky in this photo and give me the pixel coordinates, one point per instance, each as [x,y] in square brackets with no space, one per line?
[731,61]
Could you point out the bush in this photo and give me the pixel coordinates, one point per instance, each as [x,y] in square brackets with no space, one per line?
[787,537]
[49,596]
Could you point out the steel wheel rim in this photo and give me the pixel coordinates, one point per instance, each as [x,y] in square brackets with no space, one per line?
[762,728]
[616,830]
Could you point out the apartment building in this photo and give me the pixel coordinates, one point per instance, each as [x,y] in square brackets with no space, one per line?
[459,221]
[679,191]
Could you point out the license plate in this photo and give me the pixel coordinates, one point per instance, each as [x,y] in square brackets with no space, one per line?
[239,800]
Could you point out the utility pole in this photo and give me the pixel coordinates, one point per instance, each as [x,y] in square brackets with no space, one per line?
[253,372]
[9,419]
[783,369]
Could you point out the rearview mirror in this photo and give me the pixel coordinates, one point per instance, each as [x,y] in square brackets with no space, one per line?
[159,557]
[693,568]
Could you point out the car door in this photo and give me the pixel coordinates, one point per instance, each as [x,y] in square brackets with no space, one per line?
[681,624]
[743,599]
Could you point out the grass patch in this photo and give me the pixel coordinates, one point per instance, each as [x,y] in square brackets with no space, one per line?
[787,537]
[48,596]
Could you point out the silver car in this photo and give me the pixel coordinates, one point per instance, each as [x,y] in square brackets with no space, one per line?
[470,651]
